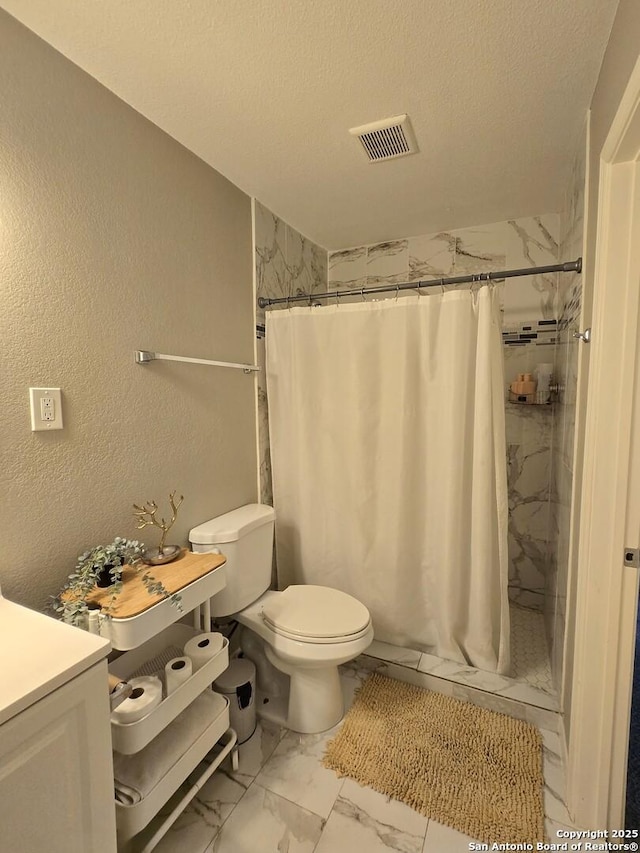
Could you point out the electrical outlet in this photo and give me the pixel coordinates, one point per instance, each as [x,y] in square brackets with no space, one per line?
[46,408]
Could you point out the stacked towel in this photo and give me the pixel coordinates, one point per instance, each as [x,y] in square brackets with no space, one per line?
[136,775]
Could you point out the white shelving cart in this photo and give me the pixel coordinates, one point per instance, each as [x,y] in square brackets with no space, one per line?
[148,631]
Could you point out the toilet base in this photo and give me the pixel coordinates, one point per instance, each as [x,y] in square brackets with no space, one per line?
[315,696]
[308,701]
[275,710]
[315,700]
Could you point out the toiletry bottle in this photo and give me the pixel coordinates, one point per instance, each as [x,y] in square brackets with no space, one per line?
[543,394]
[93,622]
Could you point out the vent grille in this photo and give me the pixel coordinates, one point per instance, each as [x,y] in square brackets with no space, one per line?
[386,139]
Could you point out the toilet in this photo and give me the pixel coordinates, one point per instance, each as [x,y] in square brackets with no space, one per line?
[305,632]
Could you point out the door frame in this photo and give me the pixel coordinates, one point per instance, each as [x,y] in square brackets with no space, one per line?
[607,591]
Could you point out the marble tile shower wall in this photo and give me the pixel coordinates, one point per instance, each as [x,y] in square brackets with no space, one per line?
[287,263]
[564,412]
[515,244]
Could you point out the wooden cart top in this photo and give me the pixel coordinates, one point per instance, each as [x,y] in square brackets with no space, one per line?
[134,599]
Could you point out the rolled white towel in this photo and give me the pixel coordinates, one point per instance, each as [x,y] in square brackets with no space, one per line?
[135,776]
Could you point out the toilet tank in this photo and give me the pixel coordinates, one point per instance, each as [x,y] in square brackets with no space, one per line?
[245,537]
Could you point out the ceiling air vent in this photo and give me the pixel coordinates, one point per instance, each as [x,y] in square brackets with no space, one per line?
[387,139]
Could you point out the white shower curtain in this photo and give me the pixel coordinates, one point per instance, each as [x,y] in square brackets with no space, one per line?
[389,465]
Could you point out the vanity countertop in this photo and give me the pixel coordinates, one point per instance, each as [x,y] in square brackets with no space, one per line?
[40,654]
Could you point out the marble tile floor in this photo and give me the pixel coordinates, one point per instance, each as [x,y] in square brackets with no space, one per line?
[529,681]
[282,800]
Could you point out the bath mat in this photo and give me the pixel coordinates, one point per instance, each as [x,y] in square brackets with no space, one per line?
[472,769]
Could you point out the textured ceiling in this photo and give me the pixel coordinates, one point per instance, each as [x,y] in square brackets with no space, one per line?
[265,91]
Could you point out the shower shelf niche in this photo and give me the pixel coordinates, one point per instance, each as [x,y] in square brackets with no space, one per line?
[513,399]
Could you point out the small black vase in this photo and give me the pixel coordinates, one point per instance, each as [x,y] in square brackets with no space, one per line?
[104,577]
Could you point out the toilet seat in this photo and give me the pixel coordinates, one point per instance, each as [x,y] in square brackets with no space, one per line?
[316,614]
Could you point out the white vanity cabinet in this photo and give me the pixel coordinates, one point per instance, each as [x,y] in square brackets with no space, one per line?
[56,775]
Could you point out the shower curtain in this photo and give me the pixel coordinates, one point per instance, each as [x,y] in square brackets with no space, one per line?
[389,465]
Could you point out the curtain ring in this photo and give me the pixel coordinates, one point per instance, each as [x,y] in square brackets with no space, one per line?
[442,285]
[362,295]
[337,298]
[288,301]
[397,290]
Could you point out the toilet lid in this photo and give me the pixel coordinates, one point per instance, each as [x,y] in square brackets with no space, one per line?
[315,611]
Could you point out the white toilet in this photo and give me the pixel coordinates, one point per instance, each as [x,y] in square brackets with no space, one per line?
[307,631]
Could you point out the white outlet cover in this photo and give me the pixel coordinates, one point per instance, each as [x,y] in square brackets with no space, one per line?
[36,396]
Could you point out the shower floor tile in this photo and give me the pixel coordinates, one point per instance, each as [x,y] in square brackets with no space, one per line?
[529,652]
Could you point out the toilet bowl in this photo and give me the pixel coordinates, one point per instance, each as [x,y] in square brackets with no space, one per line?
[306,631]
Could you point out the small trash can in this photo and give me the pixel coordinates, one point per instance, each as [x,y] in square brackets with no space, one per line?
[238,684]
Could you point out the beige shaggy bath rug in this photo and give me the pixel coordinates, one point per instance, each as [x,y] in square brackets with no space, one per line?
[474,770]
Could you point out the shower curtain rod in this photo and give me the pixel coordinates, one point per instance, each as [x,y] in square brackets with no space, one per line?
[569,266]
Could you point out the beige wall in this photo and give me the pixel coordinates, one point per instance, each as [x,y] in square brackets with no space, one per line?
[619,60]
[112,238]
